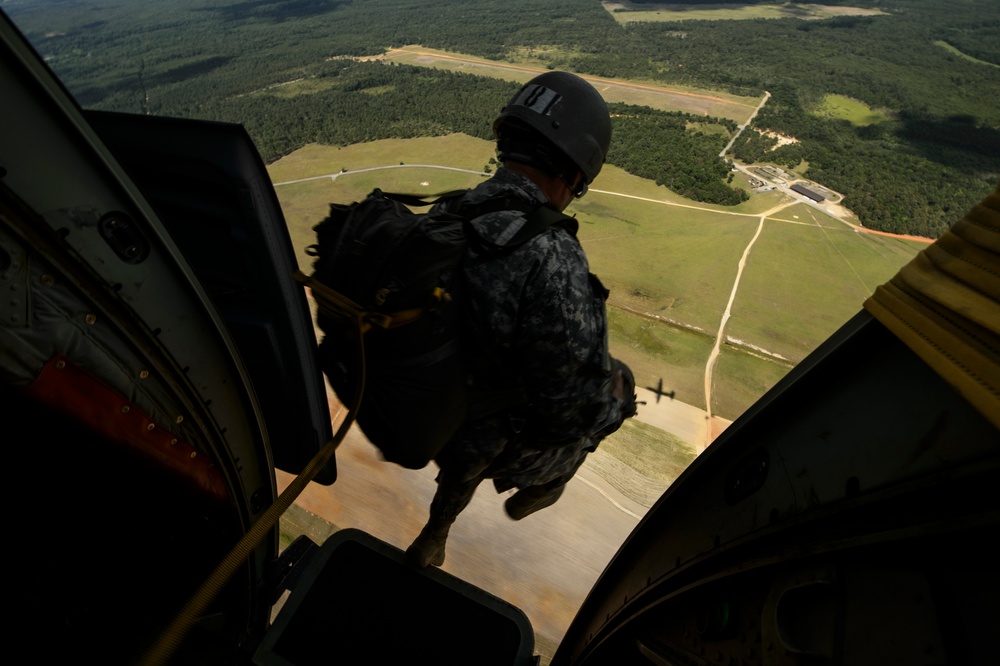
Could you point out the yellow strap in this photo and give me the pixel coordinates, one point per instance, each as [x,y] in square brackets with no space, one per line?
[170,640]
[945,306]
[335,305]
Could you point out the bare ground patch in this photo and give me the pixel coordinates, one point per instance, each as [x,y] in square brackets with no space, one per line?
[625,12]
[653,95]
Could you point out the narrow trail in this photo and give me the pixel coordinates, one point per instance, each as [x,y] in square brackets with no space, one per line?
[714,355]
[739,131]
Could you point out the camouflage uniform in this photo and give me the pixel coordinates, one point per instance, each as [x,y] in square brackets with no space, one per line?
[537,311]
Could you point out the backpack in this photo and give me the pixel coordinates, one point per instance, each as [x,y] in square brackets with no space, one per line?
[387,283]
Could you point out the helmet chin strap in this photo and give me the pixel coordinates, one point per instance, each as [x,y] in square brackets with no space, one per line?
[529,153]
[577,187]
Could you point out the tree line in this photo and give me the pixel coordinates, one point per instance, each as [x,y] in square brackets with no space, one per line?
[915,174]
[365,101]
[658,146]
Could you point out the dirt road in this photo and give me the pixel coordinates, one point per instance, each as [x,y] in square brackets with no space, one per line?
[710,366]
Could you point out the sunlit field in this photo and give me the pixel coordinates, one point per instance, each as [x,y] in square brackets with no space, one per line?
[670,263]
[644,93]
[951,49]
[851,110]
[803,281]
[625,12]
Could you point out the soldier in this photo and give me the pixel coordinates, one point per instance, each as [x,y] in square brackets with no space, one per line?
[537,323]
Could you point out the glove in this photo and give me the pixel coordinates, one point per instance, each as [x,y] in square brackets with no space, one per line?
[623,389]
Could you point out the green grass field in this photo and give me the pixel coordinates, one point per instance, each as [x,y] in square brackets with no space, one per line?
[523,65]
[803,281]
[670,263]
[857,113]
[708,128]
[951,49]
[300,87]
[807,215]
[681,12]
[304,204]
[666,459]
[640,461]
[740,378]
[657,351]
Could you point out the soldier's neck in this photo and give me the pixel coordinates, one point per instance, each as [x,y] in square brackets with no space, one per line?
[554,189]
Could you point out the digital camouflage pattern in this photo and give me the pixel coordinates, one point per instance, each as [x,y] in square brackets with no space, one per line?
[539,318]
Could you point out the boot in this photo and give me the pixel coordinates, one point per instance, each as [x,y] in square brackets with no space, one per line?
[428,548]
[531,499]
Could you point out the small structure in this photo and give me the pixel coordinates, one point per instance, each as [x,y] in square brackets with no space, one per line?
[806,192]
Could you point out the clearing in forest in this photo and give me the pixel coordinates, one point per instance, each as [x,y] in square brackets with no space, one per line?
[951,49]
[627,12]
[854,111]
[654,95]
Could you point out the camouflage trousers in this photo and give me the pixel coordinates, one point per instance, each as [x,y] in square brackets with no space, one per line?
[492,449]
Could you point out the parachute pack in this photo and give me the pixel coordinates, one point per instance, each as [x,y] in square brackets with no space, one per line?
[387,283]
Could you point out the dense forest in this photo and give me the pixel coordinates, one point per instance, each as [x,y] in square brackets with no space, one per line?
[658,146]
[276,66]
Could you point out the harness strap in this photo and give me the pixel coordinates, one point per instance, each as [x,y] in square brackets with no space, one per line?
[334,305]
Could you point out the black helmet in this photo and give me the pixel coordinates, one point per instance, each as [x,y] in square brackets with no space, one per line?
[567,111]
